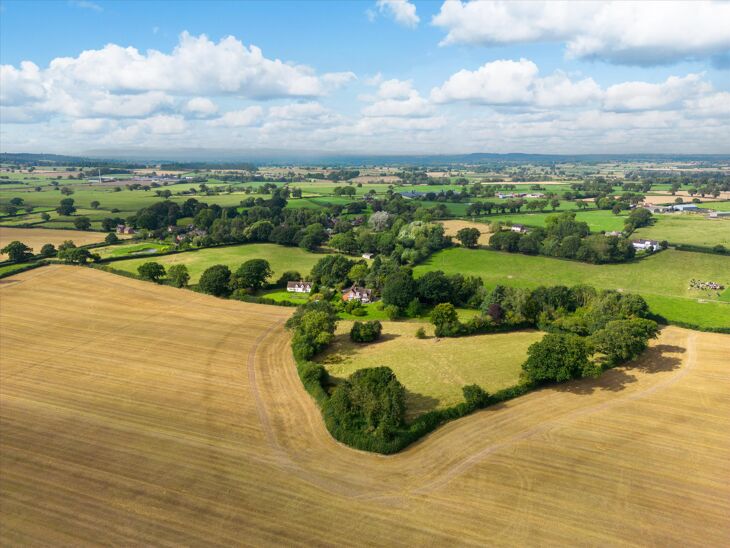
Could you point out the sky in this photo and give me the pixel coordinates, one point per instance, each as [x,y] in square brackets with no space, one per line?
[365,77]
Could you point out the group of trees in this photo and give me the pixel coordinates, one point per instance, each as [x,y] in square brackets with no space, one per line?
[177,275]
[567,238]
[218,280]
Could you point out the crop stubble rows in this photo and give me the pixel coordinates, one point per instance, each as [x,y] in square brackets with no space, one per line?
[133,413]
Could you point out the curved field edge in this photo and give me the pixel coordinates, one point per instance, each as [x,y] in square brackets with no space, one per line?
[210,439]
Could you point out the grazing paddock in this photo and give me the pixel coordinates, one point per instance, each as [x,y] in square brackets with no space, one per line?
[35,238]
[137,414]
[452,227]
[433,370]
[280,257]
[690,228]
[663,278]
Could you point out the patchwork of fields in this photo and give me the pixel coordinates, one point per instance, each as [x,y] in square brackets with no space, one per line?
[663,279]
[113,434]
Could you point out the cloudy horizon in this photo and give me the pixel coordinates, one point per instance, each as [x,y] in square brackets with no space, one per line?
[382,77]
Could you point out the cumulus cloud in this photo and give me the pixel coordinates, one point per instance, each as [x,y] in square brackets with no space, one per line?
[91,125]
[239,118]
[498,82]
[397,98]
[201,106]
[509,82]
[629,96]
[626,32]
[403,12]
[120,81]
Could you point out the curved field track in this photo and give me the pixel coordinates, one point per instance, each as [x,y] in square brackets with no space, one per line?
[137,414]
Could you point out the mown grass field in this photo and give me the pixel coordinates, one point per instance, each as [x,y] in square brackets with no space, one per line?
[281,259]
[35,238]
[688,229]
[598,220]
[663,279]
[433,370]
[137,414]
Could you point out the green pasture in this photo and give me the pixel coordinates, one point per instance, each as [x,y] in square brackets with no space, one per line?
[692,229]
[432,370]
[663,278]
[281,259]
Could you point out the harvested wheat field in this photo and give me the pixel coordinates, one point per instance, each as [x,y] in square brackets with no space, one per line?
[452,227]
[135,414]
[35,238]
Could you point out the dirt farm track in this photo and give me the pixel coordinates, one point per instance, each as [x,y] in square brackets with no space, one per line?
[135,414]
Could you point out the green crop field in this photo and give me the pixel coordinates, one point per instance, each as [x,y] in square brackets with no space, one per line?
[663,279]
[718,206]
[688,229]
[598,220]
[433,370]
[281,259]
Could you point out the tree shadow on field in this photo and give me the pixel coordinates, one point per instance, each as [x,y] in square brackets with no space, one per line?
[417,404]
[654,360]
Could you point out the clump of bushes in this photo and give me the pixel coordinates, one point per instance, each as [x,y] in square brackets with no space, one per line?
[366,331]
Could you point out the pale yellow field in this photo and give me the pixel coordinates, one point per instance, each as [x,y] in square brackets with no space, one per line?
[35,238]
[136,414]
[452,227]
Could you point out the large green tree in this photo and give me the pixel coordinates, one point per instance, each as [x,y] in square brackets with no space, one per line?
[151,271]
[17,251]
[558,357]
[252,274]
[216,280]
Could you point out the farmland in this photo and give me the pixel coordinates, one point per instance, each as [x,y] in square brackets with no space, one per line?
[688,229]
[35,238]
[211,439]
[663,279]
[433,370]
[452,227]
[281,259]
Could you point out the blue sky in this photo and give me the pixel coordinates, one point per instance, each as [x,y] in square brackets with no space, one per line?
[366,76]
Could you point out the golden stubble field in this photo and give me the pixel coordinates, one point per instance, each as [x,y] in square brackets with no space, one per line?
[35,238]
[137,414]
[453,226]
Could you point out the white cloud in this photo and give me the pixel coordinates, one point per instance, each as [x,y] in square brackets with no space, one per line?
[627,32]
[126,82]
[91,125]
[629,96]
[201,106]
[164,125]
[239,118]
[131,105]
[397,98]
[402,11]
[498,82]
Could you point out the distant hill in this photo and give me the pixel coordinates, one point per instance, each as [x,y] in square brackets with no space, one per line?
[237,159]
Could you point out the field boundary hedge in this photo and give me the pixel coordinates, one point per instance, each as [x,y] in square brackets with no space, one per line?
[29,266]
[687,325]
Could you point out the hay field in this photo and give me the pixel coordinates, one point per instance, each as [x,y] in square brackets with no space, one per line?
[140,414]
[36,238]
[452,227]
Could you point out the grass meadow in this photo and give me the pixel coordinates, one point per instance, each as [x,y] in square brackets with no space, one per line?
[281,259]
[433,370]
[688,229]
[663,279]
